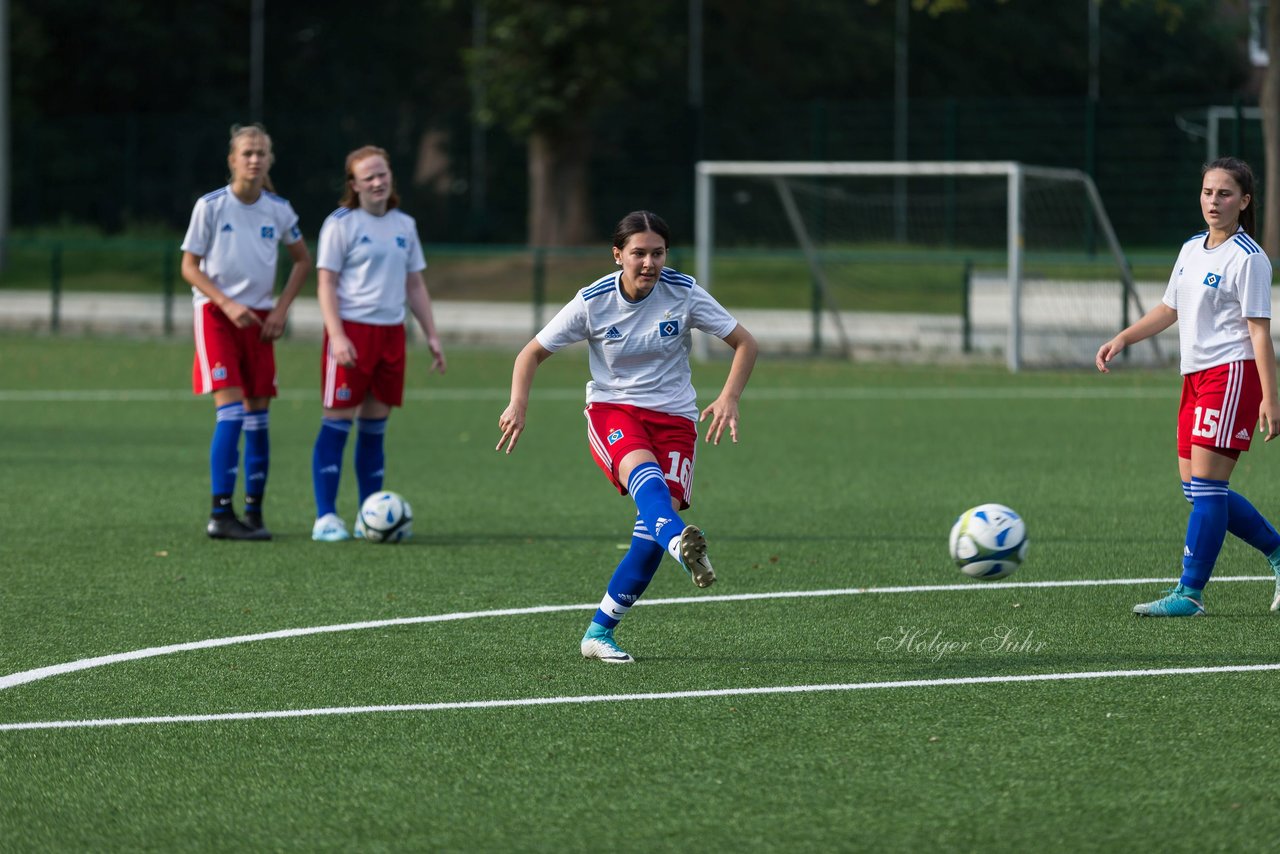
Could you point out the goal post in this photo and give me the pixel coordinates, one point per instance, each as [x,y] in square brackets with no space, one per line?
[827,214]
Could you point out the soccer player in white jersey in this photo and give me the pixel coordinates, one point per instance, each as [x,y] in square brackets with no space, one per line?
[229,258]
[369,265]
[642,412]
[1220,296]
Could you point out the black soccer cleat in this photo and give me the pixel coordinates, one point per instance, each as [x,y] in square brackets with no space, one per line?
[225,526]
[254,520]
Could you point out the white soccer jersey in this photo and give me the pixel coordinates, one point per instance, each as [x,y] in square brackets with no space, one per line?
[1213,291]
[372,255]
[237,244]
[639,351]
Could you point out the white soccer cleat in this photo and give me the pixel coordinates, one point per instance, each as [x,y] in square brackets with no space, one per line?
[693,556]
[598,643]
[329,528]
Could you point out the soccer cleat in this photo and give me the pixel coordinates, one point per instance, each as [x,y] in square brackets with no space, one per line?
[329,528]
[358,532]
[253,520]
[1275,603]
[225,526]
[598,643]
[693,556]
[1177,602]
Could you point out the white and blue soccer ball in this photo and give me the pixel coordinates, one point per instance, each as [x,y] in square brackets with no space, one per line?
[387,518]
[989,541]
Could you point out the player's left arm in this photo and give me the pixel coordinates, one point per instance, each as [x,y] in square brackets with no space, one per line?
[724,409]
[415,289]
[1264,353]
[273,326]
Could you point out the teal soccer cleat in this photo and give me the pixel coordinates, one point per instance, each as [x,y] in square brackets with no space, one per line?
[693,556]
[1179,601]
[598,643]
[1275,603]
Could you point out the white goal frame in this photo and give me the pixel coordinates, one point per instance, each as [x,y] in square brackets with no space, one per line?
[1015,173]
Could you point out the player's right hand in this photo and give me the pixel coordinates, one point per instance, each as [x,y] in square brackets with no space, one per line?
[241,315]
[342,350]
[1106,353]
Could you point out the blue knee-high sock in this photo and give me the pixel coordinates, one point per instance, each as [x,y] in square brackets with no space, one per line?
[630,579]
[370,456]
[257,458]
[648,488]
[1206,529]
[326,463]
[224,455]
[1244,521]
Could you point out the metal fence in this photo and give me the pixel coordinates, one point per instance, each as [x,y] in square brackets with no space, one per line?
[119,174]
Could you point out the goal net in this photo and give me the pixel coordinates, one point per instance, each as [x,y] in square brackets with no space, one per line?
[1000,258]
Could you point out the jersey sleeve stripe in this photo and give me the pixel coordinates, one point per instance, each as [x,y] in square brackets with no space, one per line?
[674,277]
[1244,242]
[602,286]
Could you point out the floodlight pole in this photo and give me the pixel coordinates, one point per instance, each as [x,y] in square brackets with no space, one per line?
[256,60]
[900,119]
[5,172]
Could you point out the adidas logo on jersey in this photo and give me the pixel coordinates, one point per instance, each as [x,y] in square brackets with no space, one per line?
[364,238]
[227,227]
[1243,434]
[613,333]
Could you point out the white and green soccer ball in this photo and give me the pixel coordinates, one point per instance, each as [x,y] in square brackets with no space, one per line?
[989,541]
[387,518]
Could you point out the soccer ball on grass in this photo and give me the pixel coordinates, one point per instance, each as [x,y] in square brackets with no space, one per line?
[989,541]
[387,518]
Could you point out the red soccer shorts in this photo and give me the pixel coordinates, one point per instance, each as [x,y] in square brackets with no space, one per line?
[379,368]
[230,357]
[1219,408]
[616,429]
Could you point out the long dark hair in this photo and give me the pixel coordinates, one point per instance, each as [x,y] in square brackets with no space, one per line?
[638,222]
[1243,176]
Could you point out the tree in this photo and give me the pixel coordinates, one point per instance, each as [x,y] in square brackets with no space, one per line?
[545,66]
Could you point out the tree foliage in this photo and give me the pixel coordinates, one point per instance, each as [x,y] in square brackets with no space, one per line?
[545,63]
[154,87]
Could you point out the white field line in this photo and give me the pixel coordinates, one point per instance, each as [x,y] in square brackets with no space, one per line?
[466,395]
[39,673]
[620,698]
